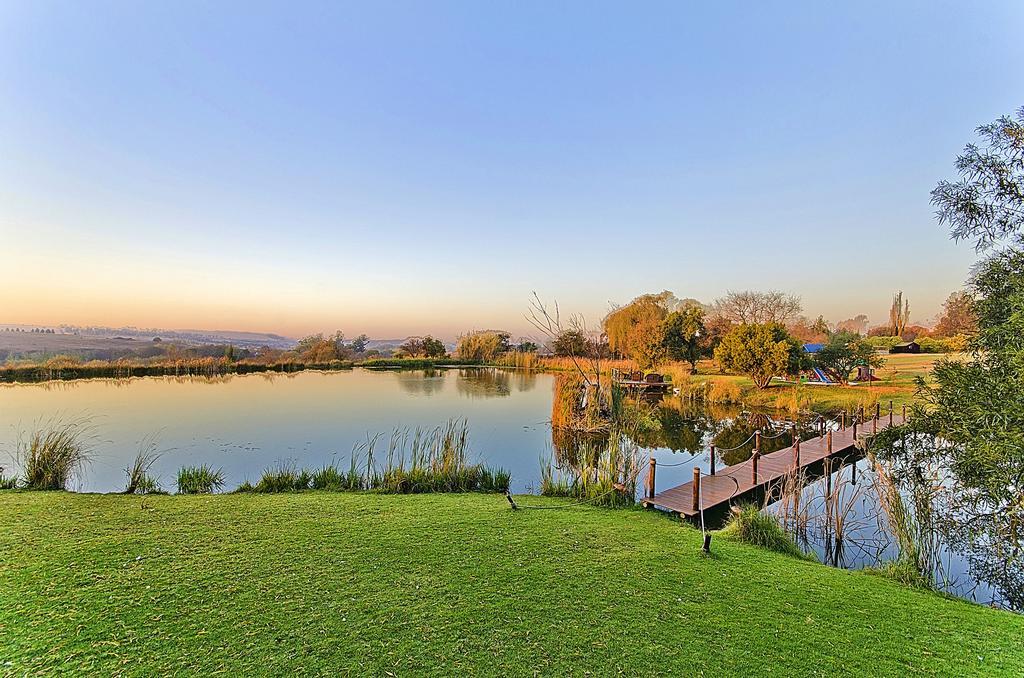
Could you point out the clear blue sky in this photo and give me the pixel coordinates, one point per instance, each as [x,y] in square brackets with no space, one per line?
[417,167]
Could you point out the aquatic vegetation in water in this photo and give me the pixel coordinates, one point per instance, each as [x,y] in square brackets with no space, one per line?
[139,479]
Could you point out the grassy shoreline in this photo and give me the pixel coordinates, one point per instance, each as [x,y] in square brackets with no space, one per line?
[360,583]
[897,376]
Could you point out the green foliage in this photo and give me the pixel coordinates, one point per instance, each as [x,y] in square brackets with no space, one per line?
[903,571]
[883,343]
[8,482]
[201,479]
[54,452]
[986,203]
[571,343]
[843,352]
[683,331]
[761,352]
[752,526]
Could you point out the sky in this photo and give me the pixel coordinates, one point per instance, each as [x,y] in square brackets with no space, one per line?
[402,168]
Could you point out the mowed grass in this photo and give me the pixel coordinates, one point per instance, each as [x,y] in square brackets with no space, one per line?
[897,383]
[319,583]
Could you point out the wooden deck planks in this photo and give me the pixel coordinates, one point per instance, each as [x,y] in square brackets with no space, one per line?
[735,481]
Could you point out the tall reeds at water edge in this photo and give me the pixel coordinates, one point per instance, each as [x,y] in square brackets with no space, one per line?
[55,452]
[139,479]
[201,479]
[417,461]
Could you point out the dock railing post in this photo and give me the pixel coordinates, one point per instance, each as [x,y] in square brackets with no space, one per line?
[904,413]
[828,442]
[796,453]
[842,420]
[650,477]
[757,453]
[696,488]
[874,425]
[890,413]
[878,410]
[860,414]
[712,460]
[854,431]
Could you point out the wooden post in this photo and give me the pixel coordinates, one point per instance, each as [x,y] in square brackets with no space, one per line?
[753,461]
[860,414]
[855,432]
[878,410]
[874,425]
[904,414]
[712,460]
[890,413]
[757,442]
[796,453]
[842,420]
[828,442]
[650,477]
[853,474]
[696,489]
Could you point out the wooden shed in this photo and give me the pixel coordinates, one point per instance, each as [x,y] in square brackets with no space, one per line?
[906,347]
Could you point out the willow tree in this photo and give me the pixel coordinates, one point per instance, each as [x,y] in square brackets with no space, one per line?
[637,330]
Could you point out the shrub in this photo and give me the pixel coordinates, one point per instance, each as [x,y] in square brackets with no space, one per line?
[751,526]
[55,452]
[8,482]
[199,480]
[760,352]
[482,346]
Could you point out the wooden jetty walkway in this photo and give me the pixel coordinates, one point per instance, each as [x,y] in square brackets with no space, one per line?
[714,492]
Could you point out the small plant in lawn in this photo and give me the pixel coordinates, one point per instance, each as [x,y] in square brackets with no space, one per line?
[199,480]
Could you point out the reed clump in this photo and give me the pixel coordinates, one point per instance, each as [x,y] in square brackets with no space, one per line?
[284,478]
[201,479]
[140,481]
[752,526]
[55,452]
[419,461]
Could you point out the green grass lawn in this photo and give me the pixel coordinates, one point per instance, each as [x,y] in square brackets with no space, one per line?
[397,585]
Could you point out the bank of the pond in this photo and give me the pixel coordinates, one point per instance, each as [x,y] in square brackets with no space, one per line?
[319,582]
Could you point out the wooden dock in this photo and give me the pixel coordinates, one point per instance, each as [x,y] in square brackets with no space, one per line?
[714,493]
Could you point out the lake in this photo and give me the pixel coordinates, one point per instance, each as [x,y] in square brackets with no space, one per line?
[244,424]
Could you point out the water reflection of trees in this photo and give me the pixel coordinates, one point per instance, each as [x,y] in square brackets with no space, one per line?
[420,382]
[483,382]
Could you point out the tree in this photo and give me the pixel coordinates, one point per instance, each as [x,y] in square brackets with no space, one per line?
[635,330]
[843,352]
[527,346]
[750,307]
[986,203]
[412,347]
[682,335]
[970,420]
[433,348]
[857,324]
[572,342]
[958,316]
[359,343]
[899,314]
[809,332]
[760,351]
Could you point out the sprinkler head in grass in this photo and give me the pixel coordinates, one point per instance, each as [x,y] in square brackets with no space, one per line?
[508,495]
